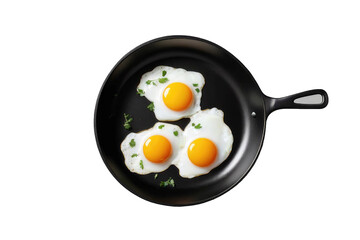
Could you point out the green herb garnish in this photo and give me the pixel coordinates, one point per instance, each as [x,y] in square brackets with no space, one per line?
[163,80]
[198,126]
[195,84]
[128,120]
[176,133]
[132,143]
[161,126]
[163,73]
[197,90]
[134,155]
[141,164]
[140,92]
[151,106]
[148,82]
[170,182]
[156,175]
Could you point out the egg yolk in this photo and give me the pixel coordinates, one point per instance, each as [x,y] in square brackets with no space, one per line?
[202,152]
[177,96]
[157,149]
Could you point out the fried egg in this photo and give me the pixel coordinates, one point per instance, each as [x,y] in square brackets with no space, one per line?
[175,92]
[208,142]
[152,150]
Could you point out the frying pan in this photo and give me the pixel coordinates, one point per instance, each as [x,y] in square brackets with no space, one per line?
[229,86]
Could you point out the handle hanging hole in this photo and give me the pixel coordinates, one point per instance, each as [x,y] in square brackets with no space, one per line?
[312,99]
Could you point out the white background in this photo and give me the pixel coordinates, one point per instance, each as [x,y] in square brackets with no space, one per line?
[54,57]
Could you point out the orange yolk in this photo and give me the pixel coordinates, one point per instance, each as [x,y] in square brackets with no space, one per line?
[157,149]
[202,152]
[177,96]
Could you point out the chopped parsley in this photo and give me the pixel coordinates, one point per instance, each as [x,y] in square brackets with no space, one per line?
[163,80]
[198,126]
[163,73]
[141,164]
[132,143]
[140,92]
[197,90]
[156,175]
[128,120]
[170,182]
[134,155]
[176,133]
[161,126]
[148,82]
[151,106]
[195,84]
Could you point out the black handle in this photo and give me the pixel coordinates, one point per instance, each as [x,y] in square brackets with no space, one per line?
[312,99]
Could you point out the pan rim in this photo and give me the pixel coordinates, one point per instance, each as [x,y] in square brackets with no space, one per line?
[169,37]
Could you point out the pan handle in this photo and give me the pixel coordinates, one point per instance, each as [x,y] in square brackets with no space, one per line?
[312,99]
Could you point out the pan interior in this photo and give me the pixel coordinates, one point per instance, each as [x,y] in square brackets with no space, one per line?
[228,86]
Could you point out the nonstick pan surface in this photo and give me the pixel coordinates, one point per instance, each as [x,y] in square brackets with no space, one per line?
[229,86]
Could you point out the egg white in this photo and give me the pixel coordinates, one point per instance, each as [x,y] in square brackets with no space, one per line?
[133,163]
[213,128]
[153,90]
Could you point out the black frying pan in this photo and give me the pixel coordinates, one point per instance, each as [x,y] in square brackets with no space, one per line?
[229,86]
